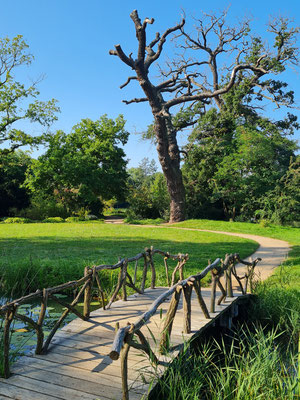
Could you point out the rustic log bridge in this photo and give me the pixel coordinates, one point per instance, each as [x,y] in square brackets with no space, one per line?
[84,286]
[124,336]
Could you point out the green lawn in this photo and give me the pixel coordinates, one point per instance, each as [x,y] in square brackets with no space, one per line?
[39,255]
[289,275]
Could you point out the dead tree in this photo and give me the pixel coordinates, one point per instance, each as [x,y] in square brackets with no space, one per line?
[189,80]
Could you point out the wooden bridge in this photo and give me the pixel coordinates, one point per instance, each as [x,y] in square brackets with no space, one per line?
[119,351]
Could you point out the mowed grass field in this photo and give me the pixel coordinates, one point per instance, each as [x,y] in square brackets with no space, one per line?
[40,255]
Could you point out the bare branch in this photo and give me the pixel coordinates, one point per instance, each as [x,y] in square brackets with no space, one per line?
[135,100]
[151,58]
[120,53]
[130,78]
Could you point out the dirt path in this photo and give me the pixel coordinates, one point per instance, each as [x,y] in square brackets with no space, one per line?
[272,251]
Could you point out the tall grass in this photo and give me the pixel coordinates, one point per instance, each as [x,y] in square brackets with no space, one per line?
[253,366]
[256,361]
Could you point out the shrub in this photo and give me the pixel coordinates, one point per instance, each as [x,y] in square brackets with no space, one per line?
[17,220]
[91,217]
[74,219]
[42,208]
[54,220]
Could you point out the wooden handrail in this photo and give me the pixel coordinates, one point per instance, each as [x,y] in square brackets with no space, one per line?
[91,276]
[124,336]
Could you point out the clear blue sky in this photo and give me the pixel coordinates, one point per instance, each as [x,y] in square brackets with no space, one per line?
[70,40]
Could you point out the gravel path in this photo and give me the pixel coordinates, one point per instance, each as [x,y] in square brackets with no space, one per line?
[272,251]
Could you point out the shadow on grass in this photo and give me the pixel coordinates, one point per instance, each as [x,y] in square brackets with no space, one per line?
[27,264]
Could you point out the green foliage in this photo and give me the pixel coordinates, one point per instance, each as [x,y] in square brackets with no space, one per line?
[278,306]
[14,96]
[247,365]
[42,208]
[54,220]
[282,204]
[235,165]
[148,196]
[74,219]
[13,196]
[17,220]
[81,167]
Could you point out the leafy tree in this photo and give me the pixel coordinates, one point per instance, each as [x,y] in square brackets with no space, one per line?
[147,191]
[234,162]
[194,79]
[13,196]
[14,96]
[282,204]
[83,167]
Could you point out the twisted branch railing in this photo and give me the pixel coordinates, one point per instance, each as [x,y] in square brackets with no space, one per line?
[124,338]
[84,287]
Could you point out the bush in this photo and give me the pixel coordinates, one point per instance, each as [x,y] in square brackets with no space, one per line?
[91,217]
[74,219]
[54,220]
[17,220]
[42,208]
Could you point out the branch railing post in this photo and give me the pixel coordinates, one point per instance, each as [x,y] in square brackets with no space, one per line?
[197,288]
[187,309]
[9,316]
[167,327]
[40,333]
[87,293]
[213,291]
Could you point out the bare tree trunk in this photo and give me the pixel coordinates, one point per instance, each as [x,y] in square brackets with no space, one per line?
[169,158]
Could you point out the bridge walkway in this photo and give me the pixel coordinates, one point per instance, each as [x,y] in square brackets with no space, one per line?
[77,365]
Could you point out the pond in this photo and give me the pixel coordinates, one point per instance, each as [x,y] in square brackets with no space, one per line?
[23,336]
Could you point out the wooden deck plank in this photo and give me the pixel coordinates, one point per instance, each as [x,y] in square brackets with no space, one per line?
[77,365]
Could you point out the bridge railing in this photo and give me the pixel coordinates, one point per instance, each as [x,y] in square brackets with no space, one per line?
[84,287]
[124,338]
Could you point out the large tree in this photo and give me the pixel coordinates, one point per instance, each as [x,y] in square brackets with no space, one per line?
[193,79]
[83,167]
[15,97]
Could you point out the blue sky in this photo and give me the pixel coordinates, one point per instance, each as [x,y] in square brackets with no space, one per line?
[70,40]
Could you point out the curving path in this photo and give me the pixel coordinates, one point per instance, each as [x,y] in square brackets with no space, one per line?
[272,251]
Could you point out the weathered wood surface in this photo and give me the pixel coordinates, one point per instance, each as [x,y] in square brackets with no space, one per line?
[78,365]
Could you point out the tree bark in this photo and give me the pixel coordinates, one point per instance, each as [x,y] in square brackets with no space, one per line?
[169,158]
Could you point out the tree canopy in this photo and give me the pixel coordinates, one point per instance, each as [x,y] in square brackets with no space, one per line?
[82,167]
[15,97]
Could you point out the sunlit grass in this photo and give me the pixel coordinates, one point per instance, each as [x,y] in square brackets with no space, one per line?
[40,255]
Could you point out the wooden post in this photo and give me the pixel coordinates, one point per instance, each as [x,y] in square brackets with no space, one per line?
[213,292]
[167,328]
[167,270]
[40,333]
[144,273]
[228,275]
[124,370]
[187,293]
[100,289]
[6,341]
[197,288]
[153,272]
[135,271]
[87,294]
[124,275]
[223,291]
